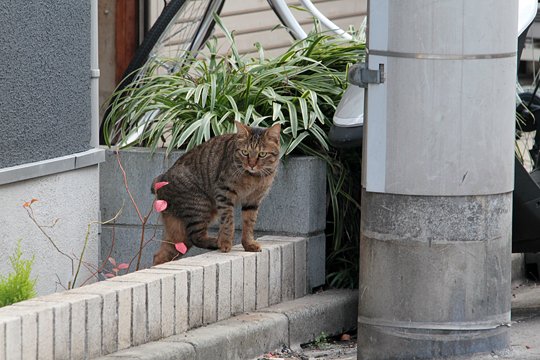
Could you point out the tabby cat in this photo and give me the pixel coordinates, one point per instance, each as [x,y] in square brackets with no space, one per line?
[208,181]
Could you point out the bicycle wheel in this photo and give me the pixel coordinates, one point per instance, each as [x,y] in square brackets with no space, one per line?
[182,27]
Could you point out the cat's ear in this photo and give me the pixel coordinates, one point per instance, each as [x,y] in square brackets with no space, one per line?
[273,132]
[242,129]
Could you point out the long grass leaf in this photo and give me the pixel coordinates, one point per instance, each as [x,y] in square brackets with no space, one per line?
[296,141]
[293,119]
[305,112]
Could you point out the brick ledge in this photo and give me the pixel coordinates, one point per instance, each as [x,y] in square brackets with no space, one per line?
[152,304]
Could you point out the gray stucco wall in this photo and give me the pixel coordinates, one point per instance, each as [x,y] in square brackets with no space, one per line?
[72,200]
[44,80]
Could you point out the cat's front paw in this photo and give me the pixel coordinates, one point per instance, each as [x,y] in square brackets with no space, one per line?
[224,244]
[225,247]
[252,246]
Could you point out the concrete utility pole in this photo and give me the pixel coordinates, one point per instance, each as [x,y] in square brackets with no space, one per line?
[435,250]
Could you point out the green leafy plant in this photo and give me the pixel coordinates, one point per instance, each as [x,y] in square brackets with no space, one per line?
[17,285]
[321,341]
[299,88]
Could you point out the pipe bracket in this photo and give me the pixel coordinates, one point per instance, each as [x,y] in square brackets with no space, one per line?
[360,75]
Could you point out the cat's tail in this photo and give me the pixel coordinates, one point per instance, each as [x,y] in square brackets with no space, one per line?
[156,180]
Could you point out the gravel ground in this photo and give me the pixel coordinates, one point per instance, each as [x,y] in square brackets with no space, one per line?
[342,347]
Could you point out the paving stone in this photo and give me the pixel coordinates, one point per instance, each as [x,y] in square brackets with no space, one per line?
[223,290]
[108,332]
[210,287]
[274,271]
[210,295]
[32,328]
[153,310]
[71,310]
[77,320]
[61,331]
[45,329]
[53,317]
[21,327]
[237,284]
[223,262]
[167,306]
[300,260]
[12,336]
[2,341]
[84,335]
[262,280]
[124,319]
[195,276]
[236,259]
[287,272]
[94,326]
[175,299]
[249,280]
[154,283]
[77,323]
[117,300]
[29,333]
[139,318]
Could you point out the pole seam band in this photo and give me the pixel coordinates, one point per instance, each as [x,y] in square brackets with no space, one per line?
[493,323]
[424,56]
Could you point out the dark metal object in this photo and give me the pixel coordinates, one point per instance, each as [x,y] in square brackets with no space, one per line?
[360,75]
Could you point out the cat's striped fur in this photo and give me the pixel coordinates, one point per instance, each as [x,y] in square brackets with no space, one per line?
[208,181]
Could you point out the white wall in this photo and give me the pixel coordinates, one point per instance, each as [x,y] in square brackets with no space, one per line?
[73,198]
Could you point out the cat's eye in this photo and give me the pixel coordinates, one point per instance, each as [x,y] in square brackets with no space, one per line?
[262,154]
[244,152]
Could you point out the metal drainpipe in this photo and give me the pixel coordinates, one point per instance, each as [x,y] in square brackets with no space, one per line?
[94,75]
[435,249]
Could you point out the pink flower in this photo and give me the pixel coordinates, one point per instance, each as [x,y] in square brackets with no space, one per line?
[160,205]
[181,247]
[160,184]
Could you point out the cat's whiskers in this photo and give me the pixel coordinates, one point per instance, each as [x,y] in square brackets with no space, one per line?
[238,171]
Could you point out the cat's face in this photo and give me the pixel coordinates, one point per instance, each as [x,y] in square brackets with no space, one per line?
[257,149]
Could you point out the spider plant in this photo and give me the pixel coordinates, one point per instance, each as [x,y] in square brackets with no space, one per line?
[299,88]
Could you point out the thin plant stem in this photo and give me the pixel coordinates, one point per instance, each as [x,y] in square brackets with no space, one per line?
[141,244]
[127,187]
[32,217]
[143,220]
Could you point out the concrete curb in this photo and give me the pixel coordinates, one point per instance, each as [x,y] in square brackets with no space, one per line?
[250,334]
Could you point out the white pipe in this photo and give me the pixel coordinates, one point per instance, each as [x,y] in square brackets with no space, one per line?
[94,75]
[283,11]
[324,20]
